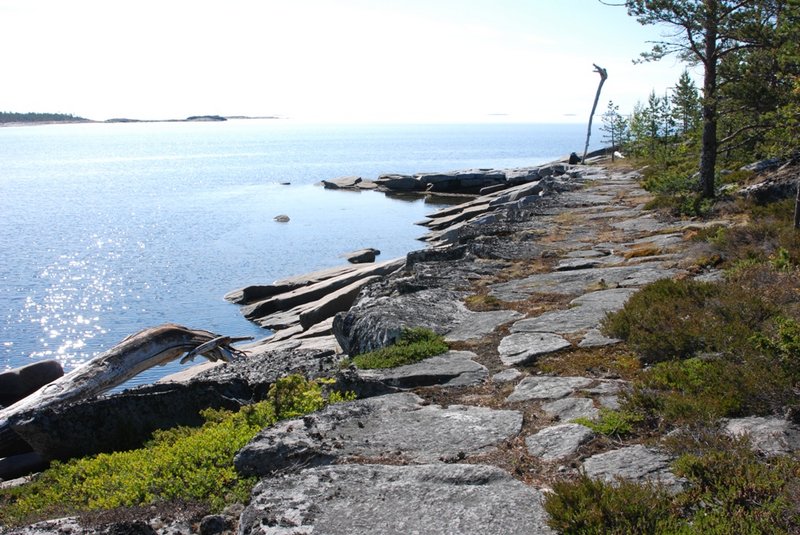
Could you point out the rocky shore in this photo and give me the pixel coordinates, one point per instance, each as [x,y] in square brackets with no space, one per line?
[465,442]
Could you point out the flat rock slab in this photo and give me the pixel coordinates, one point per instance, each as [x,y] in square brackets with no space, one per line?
[454,368]
[377,499]
[398,426]
[595,338]
[479,324]
[645,223]
[586,313]
[635,463]
[566,409]
[521,348]
[541,387]
[579,282]
[771,436]
[559,441]
[507,375]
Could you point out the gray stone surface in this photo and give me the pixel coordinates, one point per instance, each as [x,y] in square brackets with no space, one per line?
[644,223]
[479,324]
[558,441]
[398,426]
[578,282]
[566,409]
[541,387]
[635,463]
[506,376]
[769,435]
[521,348]
[378,321]
[586,313]
[606,386]
[594,338]
[454,368]
[345,182]
[578,263]
[401,500]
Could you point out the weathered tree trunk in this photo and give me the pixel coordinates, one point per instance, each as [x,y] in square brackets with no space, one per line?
[151,347]
[797,208]
[708,151]
[603,75]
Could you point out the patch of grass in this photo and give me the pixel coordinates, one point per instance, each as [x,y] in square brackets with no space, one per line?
[414,345]
[483,302]
[190,464]
[645,249]
[770,229]
[612,423]
[611,361]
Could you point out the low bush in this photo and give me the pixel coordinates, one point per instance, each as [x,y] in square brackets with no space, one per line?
[671,319]
[414,345]
[729,489]
[189,464]
[705,389]
[589,506]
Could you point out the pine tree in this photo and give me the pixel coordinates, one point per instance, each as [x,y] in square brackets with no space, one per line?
[615,126]
[686,104]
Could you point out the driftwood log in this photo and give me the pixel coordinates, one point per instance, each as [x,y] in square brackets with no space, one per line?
[151,347]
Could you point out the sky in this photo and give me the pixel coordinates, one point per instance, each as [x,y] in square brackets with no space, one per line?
[325,60]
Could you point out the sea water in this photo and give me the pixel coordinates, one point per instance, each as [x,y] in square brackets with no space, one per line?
[107,229]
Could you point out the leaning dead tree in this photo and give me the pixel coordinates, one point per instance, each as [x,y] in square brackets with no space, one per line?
[603,75]
[151,347]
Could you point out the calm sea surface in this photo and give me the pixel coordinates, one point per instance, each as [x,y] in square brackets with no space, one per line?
[106,229]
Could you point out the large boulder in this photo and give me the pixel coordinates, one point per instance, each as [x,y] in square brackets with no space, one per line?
[373,323]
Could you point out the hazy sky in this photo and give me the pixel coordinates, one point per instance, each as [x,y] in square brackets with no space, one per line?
[348,60]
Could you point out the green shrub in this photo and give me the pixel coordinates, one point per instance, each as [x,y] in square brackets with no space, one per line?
[729,489]
[671,319]
[732,489]
[612,423]
[414,345]
[588,506]
[189,464]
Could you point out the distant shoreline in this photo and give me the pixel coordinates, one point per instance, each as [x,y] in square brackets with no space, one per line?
[125,120]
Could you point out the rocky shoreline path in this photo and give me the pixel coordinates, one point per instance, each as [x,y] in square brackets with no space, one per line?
[473,438]
[518,283]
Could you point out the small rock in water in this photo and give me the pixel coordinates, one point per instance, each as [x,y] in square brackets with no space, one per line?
[362,256]
[281,218]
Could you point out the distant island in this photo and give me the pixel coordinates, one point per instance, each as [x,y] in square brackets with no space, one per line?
[31,118]
[11,118]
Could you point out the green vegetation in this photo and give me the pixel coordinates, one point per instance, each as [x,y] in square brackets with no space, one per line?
[9,117]
[414,345]
[729,489]
[185,464]
[611,423]
[592,507]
